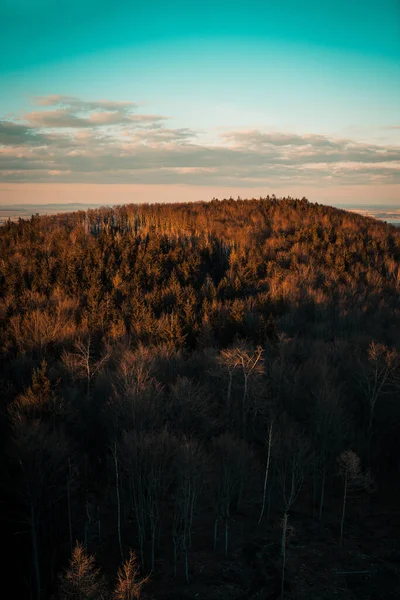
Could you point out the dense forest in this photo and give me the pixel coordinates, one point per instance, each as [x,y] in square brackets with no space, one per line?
[201,400]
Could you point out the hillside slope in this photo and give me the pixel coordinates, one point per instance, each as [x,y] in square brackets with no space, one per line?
[154,358]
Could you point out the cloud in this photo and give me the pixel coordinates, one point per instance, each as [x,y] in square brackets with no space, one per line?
[56,118]
[81,105]
[15,134]
[103,141]
[72,112]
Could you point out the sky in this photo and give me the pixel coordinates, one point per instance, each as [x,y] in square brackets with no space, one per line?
[131,101]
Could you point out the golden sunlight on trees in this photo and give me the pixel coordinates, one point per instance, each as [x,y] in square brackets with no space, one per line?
[82,580]
[129,583]
[177,382]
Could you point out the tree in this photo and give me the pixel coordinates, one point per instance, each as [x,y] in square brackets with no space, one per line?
[328,424]
[377,377]
[231,458]
[39,399]
[189,483]
[114,451]
[82,580]
[187,407]
[291,463]
[82,363]
[267,466]
[148,465]
[354,481]
[129,583]
[41,454]
[250,362]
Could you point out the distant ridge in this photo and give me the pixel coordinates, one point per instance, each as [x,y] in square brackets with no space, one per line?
[382,212]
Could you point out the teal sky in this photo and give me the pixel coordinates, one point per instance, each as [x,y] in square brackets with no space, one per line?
[284,97]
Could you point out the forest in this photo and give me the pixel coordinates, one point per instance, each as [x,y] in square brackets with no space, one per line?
[200,400]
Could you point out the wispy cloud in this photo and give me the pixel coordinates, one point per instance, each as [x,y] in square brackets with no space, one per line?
[74,103]
[101,141]
[72,112]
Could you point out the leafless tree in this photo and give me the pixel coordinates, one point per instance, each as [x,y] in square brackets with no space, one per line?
[291,462]
[81,362]
[378,376]
[249,362]
[42,458]
[189,474]
[328,423]
[231,458]
[187,407]
[269,443]
[147,461]
[354,480]
[114,451]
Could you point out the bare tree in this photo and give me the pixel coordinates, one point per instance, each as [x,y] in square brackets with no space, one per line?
[378,376]
[291,463]
[135,370]
[249,362]
[189,463]
[267,466]
[354,481]
[147,459]
[82,363]
[114,451]
[231,457]
[328,423]
[42,458]
[187,407]
[227,360]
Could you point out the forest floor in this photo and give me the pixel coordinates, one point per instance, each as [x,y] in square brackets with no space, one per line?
[367,567]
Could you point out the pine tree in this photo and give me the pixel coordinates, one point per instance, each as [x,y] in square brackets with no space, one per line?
[129,583]
[82,580]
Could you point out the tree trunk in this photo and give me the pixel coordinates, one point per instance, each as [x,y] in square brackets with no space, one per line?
[35,554]
[69,507]
[175,556]
[321,502]
[242,426]
[266,473]
[283,552]
[269,502]
[215,534]
[153,544]
[314,487]
[186,566]
[228,402]
[118,500]
[343,510]
[99,524]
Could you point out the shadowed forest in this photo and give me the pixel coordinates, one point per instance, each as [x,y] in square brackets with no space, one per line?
[201,401]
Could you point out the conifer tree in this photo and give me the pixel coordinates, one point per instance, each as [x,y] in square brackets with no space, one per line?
[82,580]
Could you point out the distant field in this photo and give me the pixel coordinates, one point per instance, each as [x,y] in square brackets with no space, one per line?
[25,211]
[391,214]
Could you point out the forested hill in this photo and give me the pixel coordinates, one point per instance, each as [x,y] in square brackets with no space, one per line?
[222,266]
[146,351]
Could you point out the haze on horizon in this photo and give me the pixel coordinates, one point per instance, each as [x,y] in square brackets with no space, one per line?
[186,101]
